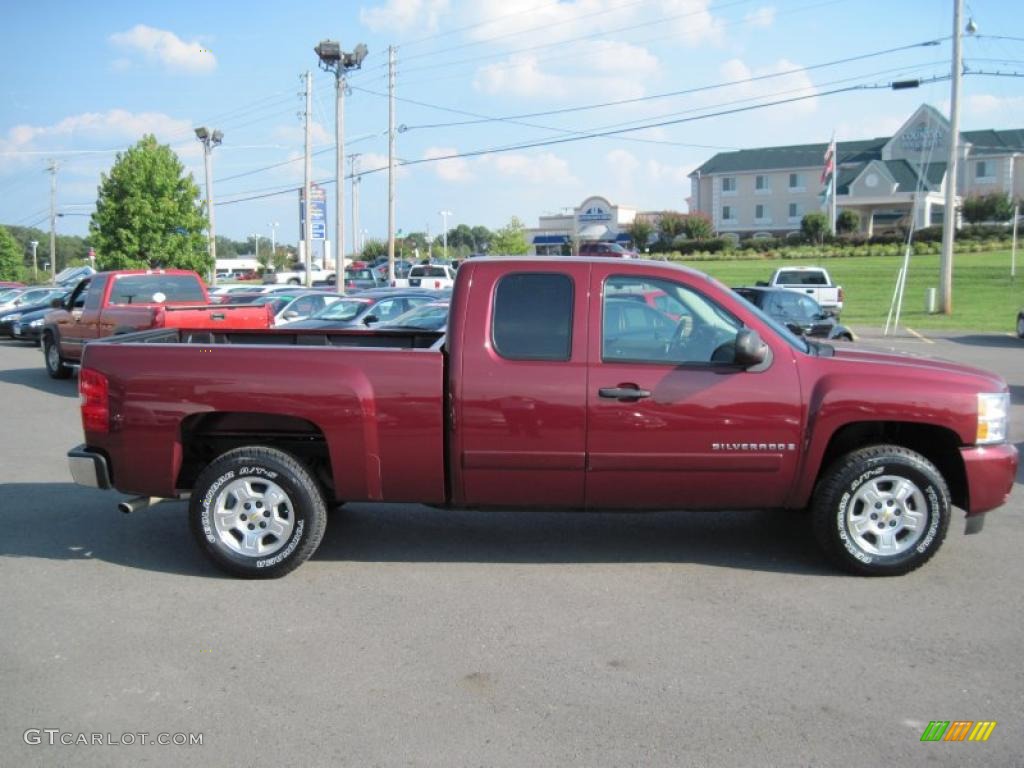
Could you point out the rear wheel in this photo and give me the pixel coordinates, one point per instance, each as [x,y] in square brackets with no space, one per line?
[293,281]
[55,365]
[1020,325]
[881,511]
[257,512]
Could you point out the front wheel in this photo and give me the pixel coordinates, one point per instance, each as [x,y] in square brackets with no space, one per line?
[881,511]
[55,365]
[257,512]
[293,281]
[1020,325]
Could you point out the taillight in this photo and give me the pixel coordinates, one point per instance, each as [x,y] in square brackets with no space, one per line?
[840,295]
[94,396]
[437,283]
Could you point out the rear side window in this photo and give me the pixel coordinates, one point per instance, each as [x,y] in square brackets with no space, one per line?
[533,316]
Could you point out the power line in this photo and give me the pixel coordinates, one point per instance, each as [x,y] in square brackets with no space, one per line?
[688,91]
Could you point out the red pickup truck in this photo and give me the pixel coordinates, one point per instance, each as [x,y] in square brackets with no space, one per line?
[114,303]
[556,386]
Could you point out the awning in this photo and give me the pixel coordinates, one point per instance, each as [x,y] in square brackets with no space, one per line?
[623,237]
[550,239]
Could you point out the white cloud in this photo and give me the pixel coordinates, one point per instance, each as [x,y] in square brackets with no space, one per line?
[166,48]
[622,166]
[762,17]
[403,15]
[693,21]
[614,69]
[296,134]
[994,111]
[452,169]
[542,168]
[109,127]
[503,22]
[796,82]
[671,174]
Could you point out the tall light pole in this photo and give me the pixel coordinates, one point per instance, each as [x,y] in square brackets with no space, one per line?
[209,140]
[356,182]
[949,214]
[256,239]
[52,168]
[444,234]
[333,59]
[273,241]
[35,261]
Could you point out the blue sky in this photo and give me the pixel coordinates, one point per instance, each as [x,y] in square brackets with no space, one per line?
[83,80]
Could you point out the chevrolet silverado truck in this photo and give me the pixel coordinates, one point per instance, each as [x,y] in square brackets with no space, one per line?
[555,386]
[115,303]
[810,281]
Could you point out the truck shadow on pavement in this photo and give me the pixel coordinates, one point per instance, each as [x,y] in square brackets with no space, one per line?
[39,379]
[62,521]
[997,340]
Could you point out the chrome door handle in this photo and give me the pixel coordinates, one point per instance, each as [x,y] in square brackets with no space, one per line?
[623,393]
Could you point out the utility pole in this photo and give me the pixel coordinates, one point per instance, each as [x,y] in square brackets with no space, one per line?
[356,182]
[35,261]
[209,140]
[256,239]
[52,168]
[307,218]
[391,164]
[444,234]
[949,215]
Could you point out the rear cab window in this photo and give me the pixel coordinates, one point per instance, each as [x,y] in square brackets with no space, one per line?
[156,289]
[532,317]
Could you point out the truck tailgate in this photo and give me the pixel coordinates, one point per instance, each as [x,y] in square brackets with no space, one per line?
[380,411]
[235,316]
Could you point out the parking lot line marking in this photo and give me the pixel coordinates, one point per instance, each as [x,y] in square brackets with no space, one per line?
[918,335]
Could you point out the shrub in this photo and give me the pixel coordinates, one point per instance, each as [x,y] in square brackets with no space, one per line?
[814,225]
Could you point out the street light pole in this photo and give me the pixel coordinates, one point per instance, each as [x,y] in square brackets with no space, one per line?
[35,261]
[356,182]
[949,215]
[52,168]
[333,59]
[273,241]
[444,234]
[256,239]
[209,140]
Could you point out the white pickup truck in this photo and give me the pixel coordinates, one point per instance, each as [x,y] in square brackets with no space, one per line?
[297,275]
[811,281]
[433,276]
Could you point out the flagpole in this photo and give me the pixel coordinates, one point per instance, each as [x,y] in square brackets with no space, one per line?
[835,173]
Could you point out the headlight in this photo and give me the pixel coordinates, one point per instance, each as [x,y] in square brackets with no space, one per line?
[37,323]
[993,415]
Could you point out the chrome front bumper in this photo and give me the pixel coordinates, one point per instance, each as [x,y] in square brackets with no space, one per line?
[88,468]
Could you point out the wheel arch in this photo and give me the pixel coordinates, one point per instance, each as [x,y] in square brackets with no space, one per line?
[205,436]
[941,446]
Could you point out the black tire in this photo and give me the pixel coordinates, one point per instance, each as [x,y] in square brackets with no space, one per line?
[55,365]
[858,513]
[294,281]
[301,514]
[1020,325]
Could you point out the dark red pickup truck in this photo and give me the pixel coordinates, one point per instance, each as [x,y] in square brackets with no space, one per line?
[556,386]
[113,303]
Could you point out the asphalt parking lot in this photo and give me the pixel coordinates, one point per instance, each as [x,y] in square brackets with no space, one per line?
[423,637]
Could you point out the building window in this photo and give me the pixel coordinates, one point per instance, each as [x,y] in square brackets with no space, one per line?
[983,171]
[761,184]
[795,183]
[794,211]
[729,184]
[727,213]
[759,212]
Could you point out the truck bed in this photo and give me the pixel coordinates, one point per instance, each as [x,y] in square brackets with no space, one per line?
[397,339]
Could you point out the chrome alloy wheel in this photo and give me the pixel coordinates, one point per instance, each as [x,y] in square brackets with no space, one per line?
[887,515]
[53,356]
[253,516]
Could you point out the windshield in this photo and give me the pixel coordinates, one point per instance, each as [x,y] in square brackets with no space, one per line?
[343,309]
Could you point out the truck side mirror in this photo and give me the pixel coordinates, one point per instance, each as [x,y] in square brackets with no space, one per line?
[370,319]
[57,303]
[795,328]
[750,350]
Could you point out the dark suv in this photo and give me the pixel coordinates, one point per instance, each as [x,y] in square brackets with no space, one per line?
[606,249]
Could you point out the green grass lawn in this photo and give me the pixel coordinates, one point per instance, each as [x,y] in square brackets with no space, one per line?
[984,296]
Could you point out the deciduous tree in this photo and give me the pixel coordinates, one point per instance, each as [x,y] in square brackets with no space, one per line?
[148,213]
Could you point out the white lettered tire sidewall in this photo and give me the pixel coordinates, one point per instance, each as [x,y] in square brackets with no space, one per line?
[839,488]
[306,503]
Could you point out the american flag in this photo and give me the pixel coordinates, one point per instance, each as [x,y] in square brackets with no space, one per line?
[830,161]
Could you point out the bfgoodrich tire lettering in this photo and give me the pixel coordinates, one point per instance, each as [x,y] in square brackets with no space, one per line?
[881,511]
[257,512]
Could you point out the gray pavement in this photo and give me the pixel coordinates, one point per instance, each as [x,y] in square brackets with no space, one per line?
[422,637]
